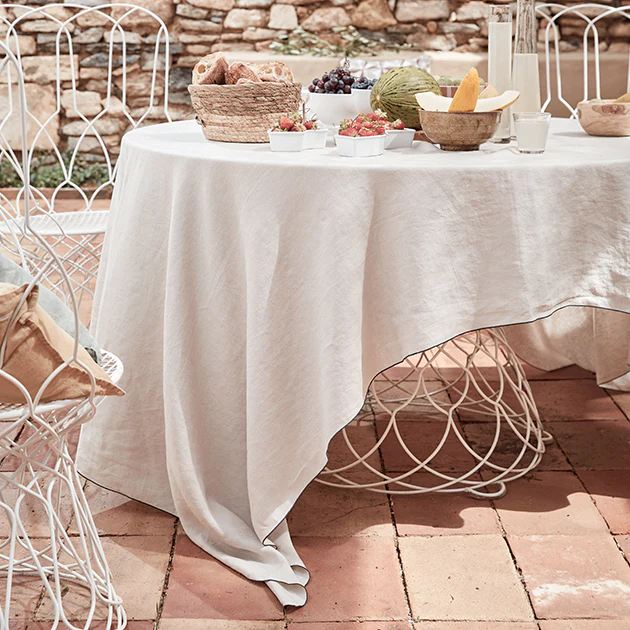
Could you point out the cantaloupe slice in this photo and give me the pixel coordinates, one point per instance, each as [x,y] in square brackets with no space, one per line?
[435,103]
[489,92]
[624,99]
[497,102]
[467,94]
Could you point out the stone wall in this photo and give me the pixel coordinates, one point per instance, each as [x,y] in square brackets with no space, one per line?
[240,26]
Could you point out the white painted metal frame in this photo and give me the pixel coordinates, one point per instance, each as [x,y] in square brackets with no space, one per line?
[42,491]
[496,394]
[592,14]
[80,232]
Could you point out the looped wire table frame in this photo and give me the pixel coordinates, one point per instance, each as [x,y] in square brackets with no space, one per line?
[485,381]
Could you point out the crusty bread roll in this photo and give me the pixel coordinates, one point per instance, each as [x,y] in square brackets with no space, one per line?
[275,71]
[210,69]
[239,70]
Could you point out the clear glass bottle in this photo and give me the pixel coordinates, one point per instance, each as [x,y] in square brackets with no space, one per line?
[525,76]
[500,61]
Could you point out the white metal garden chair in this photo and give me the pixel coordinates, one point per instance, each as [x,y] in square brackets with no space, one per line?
[593,15]
[41,492]
[80,232]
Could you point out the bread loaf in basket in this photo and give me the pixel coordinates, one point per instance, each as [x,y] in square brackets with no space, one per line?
[240,102]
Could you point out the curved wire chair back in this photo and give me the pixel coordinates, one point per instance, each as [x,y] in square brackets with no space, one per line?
[124,84]
[93,125]
[21,241]
[594,16]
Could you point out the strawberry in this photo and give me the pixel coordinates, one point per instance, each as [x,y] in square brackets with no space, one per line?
[366,132]
[379,131]
[373,116]
[308,124]
[368,124]
[348,132]
[398,124]
[286,124]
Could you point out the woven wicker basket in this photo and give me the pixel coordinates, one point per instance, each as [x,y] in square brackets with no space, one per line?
[243,113]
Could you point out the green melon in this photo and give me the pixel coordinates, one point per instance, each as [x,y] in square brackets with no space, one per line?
[395,93]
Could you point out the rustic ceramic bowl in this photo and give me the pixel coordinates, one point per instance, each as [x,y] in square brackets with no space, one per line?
[605,118]
[459,131]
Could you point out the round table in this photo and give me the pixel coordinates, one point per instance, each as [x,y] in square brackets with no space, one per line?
[253,296]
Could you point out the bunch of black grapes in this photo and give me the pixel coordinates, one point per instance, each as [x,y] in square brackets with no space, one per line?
[337,81]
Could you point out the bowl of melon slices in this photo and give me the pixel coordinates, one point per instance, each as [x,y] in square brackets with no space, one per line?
[468,119]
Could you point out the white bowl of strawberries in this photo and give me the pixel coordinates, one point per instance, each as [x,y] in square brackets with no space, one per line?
[370,134]
[293,133]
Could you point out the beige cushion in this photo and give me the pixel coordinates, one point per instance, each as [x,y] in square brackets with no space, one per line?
[36,347]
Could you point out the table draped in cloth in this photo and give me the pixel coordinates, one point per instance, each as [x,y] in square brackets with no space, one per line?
[253,296]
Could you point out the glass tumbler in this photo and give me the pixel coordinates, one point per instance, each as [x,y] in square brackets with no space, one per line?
[532,129]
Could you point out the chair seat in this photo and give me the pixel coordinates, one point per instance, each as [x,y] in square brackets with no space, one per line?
[113,367]
[69,223]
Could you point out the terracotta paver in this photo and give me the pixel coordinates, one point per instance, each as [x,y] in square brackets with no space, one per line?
[571,372]
[462,577]
[622,399]
[362,579]
[562,401]
[477,625]
[574,576]
[363,438]
[96,625]
[138,565]
[442,514]
[325,511]
[585,624]
[599,445]
[350,625]
[116,515]
[200,587]
[610,489]
[481,437]
[624,543]
[219,624]
[549,503]
[422,440]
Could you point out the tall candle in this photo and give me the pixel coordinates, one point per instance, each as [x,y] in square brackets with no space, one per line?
[500,61]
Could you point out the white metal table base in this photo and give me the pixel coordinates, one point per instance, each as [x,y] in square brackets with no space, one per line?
[483,382]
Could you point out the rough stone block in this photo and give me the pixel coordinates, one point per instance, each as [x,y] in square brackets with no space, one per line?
[283,16]
[324,19]
[418,10]
[244,18]
[42,104]
[87,103]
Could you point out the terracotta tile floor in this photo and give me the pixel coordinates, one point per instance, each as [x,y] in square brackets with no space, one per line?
[553,554]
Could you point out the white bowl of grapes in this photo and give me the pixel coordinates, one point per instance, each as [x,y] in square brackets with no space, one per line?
[330,97]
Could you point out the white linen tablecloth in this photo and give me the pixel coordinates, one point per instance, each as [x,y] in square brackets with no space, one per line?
[253,296]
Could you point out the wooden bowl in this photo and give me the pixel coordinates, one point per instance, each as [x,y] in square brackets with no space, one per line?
[459,131]
[605,118]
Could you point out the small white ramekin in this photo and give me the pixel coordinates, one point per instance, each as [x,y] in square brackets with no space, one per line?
[399,138]
[315,138]
[368,146]
[287,140]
